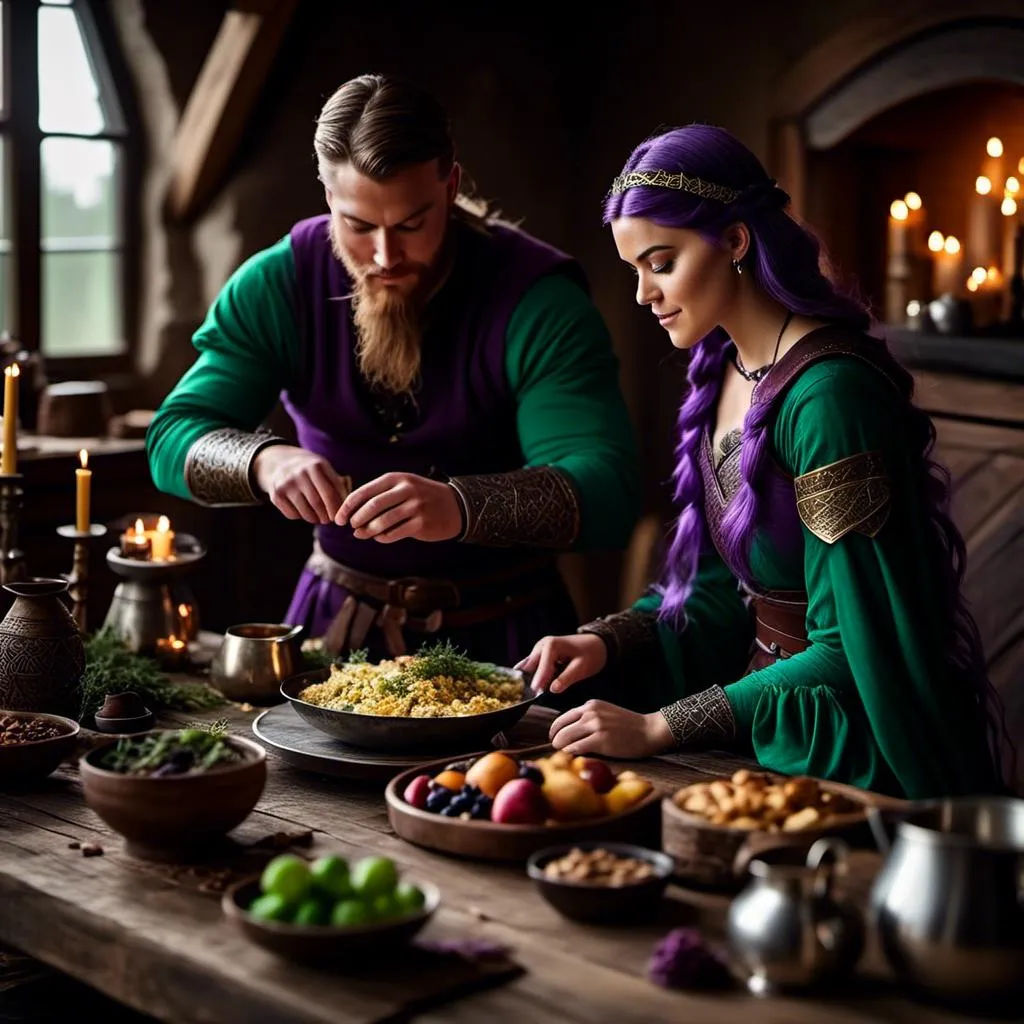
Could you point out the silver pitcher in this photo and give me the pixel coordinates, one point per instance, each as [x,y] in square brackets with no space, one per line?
[948,902]
[254,659]
[787,930]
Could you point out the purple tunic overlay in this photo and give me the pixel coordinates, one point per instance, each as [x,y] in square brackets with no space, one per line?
[462,422]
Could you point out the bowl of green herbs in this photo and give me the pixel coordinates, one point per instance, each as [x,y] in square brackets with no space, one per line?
[173,793]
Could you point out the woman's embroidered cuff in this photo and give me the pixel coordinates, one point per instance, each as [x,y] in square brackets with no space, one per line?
[703,719]
[629,634]
[536,506]
[218,467]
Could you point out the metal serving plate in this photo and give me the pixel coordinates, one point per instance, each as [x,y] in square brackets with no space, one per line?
[399,735]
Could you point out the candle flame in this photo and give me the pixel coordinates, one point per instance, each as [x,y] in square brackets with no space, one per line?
[994,147]
[83,457]
[992,274]
[1012,185]
[1020,165]
[936,241]
[978,275]
[972,285]
[163,524]
[983,185]
[899,210]
[140,528]
[952,245]
[1008,207]
[176,643]
[12,371]
[184,611]
[913,201]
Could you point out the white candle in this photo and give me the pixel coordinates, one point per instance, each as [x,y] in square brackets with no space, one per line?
[162,540]
[948,266]
[898,264]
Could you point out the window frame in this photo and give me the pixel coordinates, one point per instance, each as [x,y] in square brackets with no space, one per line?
[19,123]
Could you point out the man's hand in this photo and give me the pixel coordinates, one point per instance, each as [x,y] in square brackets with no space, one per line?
[400,506]
[302,485]
[598,727]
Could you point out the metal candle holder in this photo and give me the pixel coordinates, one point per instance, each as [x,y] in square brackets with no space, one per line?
[147,603]
[78,578]
[12,558]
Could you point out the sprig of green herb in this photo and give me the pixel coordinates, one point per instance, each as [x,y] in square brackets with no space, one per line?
[443,658]
[111,668]
[171,752]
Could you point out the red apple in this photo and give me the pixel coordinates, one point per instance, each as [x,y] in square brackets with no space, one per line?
[520,802]
[597,773]
[417,791]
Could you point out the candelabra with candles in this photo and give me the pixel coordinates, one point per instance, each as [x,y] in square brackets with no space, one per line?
[153,610]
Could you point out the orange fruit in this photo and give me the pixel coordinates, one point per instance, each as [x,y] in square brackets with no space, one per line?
[450,780]
[491,772]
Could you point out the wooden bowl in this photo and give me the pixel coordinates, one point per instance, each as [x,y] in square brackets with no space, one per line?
[602,904]
[323,944]
[23,762]
[488,840]
[717,856]
[174,817]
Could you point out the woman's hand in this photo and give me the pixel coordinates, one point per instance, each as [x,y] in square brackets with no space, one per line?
[557,662]
[598,727]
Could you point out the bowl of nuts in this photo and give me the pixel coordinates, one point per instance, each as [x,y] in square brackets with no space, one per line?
[714,829]
[601,883]
[32,744]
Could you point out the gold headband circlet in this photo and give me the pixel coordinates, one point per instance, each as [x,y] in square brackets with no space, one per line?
[676,180]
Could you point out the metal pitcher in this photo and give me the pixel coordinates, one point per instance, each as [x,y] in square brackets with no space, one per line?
[787,930]
[254,659]
[948,902]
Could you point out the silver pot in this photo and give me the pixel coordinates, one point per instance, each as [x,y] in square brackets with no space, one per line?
[787,930]
[948,902]
[254,659]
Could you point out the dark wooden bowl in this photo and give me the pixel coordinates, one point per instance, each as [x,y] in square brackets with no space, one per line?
[717,856]
[323,944]
[23,762]
[398,735]
[603,904]
[488,840]
[175,818]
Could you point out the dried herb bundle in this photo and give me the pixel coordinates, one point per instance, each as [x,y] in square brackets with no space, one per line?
[111,668]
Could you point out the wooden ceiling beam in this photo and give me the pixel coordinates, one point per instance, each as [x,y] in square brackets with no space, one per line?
[222,99]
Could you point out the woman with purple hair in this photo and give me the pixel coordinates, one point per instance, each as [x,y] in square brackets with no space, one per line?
[810,611]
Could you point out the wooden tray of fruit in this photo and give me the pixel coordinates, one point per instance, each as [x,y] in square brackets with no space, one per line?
[714,829]
[505,805]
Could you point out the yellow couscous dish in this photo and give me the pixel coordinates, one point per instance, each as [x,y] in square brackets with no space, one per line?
[438,683]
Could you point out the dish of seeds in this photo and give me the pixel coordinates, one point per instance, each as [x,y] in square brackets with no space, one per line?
[437,682]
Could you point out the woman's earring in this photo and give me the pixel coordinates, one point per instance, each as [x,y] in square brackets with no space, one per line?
[737,266]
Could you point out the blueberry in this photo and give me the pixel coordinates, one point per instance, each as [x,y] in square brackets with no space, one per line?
[481,810]
[469,789]
[461,803]
[450,811]
[531,772]
[438,800]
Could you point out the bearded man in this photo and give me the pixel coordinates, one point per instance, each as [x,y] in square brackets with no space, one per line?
[454,392]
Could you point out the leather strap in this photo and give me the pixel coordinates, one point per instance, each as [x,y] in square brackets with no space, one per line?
[780,627]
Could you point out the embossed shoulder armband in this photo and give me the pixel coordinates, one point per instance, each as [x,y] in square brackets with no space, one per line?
[849,495]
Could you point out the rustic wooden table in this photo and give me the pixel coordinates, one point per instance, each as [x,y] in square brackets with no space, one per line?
[153,937]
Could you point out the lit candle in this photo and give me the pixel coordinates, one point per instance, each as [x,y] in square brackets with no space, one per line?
[898,265]
[982,224]
[171,652]
[9,459]
[948,267]
[134,542]
[83,491]
[993,165]
[162,540]
[1009,211]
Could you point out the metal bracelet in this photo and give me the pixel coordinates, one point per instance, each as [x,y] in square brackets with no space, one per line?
[627,634]
[218,467]
[701,720]
[537,506]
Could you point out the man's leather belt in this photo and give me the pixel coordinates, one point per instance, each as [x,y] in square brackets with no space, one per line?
[423,604]
[780,623]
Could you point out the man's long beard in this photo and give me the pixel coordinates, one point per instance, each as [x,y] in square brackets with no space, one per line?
[388,330]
